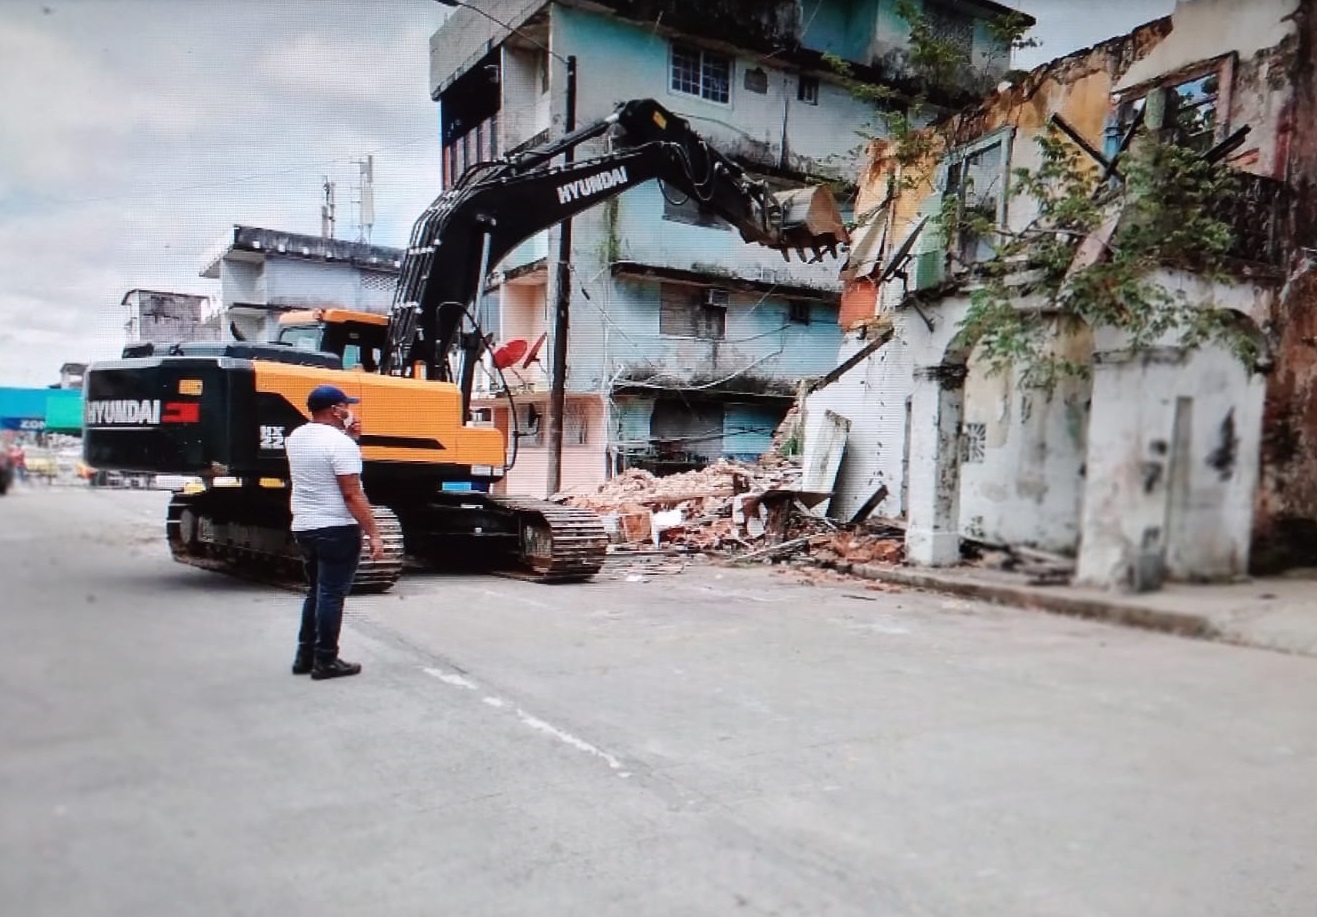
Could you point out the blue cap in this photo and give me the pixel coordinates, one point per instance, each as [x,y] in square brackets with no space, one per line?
[326,396]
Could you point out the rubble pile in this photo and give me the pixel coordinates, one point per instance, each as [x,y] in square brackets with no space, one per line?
[739,510]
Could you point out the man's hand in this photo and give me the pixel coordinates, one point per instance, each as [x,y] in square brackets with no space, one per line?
[354,429]
[376,547]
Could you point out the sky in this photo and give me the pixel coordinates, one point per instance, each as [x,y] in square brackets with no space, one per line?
[141,133]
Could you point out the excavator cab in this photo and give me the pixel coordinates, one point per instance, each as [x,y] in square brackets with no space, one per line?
[358,339]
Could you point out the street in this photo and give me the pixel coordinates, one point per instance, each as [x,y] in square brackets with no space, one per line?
[711,742]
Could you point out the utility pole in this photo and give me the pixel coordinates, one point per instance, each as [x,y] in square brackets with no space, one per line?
[561,316]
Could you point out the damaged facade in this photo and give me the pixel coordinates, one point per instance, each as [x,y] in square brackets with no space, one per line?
[1164,461]
[686,344]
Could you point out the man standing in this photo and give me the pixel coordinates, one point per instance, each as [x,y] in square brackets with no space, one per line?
[330,512]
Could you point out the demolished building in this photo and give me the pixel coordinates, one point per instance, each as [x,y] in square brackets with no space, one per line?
[1167,460]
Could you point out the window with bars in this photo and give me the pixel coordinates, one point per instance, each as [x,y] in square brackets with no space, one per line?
[701,73]
[952,28]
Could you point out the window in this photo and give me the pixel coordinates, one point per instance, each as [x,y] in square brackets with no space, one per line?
[691,312]
[575,424]
[701,73]
[951,28]
[756,81]
[798,312]
[530,424]
[680,208]
[977,180]
[807,90]
[1183,113]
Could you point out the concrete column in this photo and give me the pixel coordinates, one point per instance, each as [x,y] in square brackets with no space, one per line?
[932,538]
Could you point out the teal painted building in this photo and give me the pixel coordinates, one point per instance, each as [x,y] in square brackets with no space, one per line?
[685,343]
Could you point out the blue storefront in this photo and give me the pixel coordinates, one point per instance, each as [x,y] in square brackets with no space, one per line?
[40,410]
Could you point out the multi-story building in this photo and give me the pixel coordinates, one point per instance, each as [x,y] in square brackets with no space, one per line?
[164,318]
[685,343]
[263,272]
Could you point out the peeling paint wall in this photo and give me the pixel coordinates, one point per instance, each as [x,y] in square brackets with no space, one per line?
[1155,462]
[1023,453]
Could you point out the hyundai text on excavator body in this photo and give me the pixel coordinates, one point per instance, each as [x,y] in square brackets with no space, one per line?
[220,411]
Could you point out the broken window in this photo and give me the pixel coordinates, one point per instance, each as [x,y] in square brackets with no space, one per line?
[756,81]
[692,312]
[976,184]
[807,90]
[701,73]
[1184,113]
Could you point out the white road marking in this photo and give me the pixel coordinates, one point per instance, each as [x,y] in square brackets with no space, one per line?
[567,737]
[534,722]
[452,679]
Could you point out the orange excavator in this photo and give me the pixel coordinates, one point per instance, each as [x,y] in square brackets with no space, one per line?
[220,411]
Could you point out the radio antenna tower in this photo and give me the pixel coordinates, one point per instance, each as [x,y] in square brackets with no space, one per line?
[327,211]
[365,198]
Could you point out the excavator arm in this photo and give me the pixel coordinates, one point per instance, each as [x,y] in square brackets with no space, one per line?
[496,206]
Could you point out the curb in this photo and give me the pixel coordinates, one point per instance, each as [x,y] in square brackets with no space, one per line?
[1167,622]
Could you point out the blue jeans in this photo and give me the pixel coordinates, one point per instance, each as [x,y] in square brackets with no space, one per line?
[330,558]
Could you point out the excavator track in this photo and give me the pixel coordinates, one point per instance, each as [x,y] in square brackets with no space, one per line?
[559,544]
[267,553]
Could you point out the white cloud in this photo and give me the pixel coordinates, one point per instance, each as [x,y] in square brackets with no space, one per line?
[145,128]
[142,134]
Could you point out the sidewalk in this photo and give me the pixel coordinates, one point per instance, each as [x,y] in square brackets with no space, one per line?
[1278,613]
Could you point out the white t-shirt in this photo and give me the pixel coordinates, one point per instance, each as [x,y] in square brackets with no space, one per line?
[317,455]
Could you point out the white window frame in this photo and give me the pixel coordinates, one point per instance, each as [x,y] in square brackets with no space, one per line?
[1005,137]
[704,55]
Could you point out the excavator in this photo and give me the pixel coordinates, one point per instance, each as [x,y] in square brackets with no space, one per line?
[219,412]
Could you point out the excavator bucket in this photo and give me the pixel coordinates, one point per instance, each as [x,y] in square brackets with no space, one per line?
[811,222]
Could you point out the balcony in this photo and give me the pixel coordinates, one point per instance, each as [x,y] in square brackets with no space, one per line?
[1257,217]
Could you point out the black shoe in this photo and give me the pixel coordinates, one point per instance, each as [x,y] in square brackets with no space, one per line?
[303,663]
[334,668]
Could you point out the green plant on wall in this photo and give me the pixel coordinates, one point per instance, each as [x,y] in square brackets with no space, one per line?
[1162,210]
[1163,214]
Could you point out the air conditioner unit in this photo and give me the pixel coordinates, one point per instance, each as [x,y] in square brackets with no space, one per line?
[716,298]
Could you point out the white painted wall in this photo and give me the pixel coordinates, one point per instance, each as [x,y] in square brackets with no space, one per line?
[291,282]
[1027,488]
[873,397]
[1194,509]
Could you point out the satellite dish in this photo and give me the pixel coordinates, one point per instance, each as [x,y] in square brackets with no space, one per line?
[534,351]
[510,353]
[898,259]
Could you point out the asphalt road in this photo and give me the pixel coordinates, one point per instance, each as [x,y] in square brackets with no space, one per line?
[713,742]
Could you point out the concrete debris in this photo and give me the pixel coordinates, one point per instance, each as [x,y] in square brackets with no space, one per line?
[746,513]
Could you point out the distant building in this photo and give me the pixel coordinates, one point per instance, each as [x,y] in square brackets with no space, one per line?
[686,344]
[70,375]
[263,272]
[158,317]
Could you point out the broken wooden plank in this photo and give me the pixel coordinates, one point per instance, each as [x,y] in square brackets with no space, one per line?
[783,548]
[869,505]
[855,360]
[1066,128]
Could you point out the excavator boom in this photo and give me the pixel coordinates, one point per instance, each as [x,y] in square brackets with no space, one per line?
[495,206]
